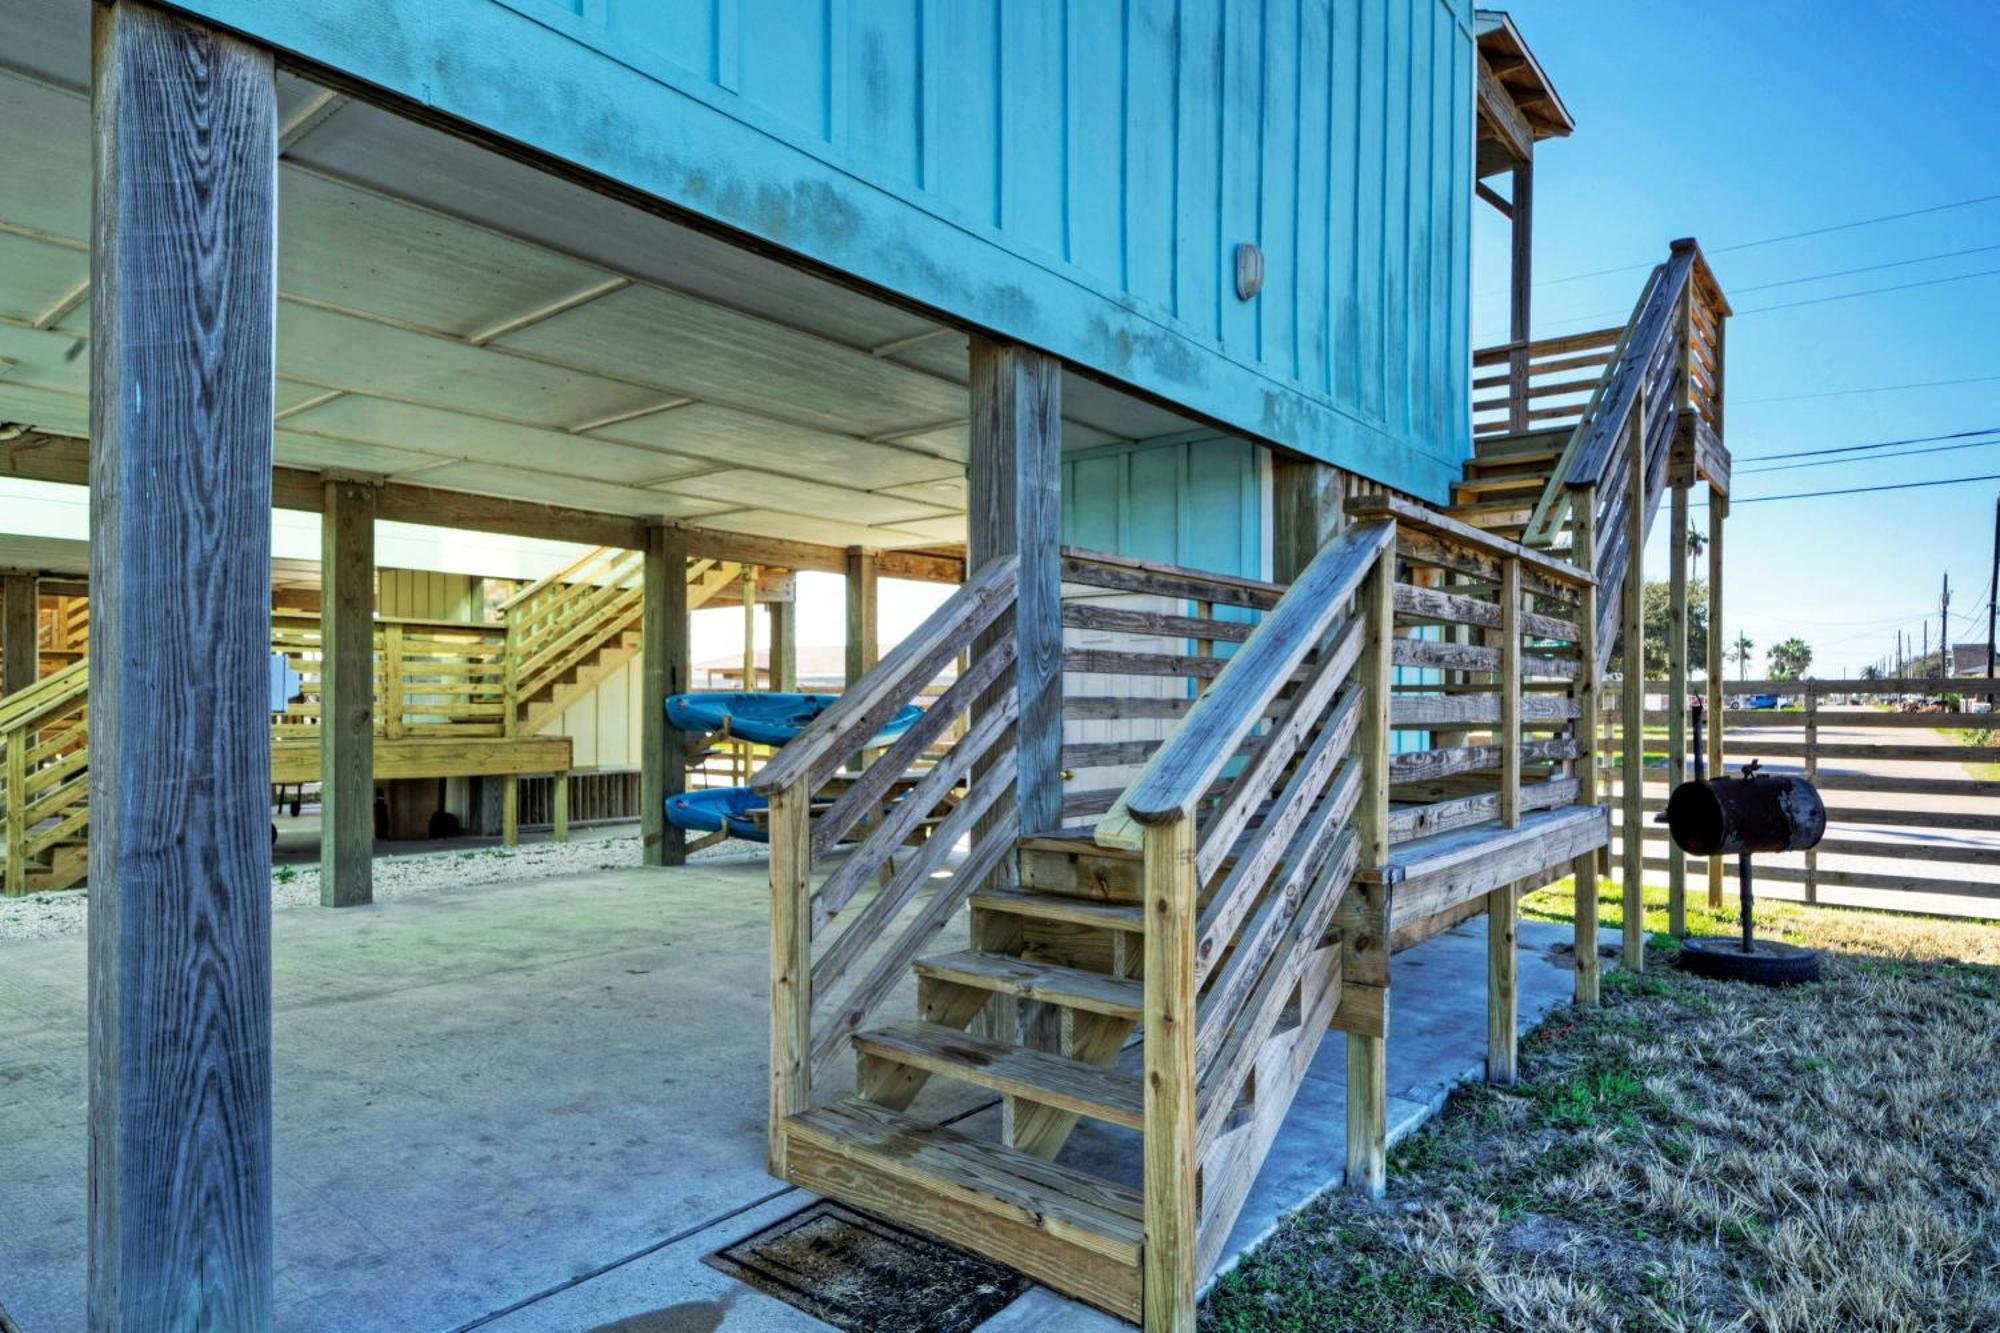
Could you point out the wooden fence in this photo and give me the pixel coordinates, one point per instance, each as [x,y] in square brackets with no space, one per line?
[1912,793]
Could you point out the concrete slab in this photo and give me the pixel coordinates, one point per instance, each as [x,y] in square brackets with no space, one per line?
[479,1094]
[535,1106]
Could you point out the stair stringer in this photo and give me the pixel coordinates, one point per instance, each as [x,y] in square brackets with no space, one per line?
[1239,1151]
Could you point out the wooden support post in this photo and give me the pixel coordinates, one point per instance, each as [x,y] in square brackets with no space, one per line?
[1503,997]
[510,811]
[1520,324]
[1015,476]
[559,807]
[17,740]
[791,962]
[1306,513]
[785,646]
[391,682]
[1590,729]
[1367,1071]
[20,647]
[1812,775]
[1632,717]
[863,646]
[749,628]
[1170,1176]
[665,669]
[347,693]
[183,318]
[1510,692]
[1718,510]
[1677,698]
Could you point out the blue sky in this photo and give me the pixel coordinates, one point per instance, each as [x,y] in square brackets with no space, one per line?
[1732,122]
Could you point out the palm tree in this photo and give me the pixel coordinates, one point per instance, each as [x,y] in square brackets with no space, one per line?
[1697,542]
[1739,653]
[1790,659]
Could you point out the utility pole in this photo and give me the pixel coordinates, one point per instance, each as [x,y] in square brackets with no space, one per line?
[1993,589]
[1944,629]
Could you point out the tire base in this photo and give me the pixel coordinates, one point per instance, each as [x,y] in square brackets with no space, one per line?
[1769,963]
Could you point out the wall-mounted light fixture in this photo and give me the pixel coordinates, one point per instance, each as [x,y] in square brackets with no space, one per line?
[1249,271]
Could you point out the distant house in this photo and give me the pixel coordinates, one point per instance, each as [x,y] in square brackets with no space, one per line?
[1968,659]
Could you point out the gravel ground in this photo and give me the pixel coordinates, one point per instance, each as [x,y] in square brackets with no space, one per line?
[45,915]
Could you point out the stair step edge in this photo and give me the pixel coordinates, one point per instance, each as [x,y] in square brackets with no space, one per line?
[1069,1204]
[1070,987]
[1038,1076]
[1064,907]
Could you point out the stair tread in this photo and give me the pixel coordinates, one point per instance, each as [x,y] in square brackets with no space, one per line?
[1063,907]
[1066,1203]
[1527,481]
[1039,1076]
[1071,987]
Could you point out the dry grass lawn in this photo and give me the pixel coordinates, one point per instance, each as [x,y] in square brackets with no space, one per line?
[1693,1155]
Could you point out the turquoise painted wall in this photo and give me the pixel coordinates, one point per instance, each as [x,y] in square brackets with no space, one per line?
[1075,174]
[1198,503]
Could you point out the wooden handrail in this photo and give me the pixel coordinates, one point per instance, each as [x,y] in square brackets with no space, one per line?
[1654,324]
[53,691]
[568,573]
[1412,515]
[1215,728]
[1497,353]
[911,665]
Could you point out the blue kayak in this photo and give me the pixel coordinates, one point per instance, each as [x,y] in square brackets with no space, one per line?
[713,809]
[768,719]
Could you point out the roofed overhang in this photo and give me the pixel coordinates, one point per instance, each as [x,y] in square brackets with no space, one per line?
[1518,106]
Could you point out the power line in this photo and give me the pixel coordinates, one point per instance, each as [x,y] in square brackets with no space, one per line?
[1873,388]
[1861,490]
[1813,300]
[1871,458]
[1865,268]
[1870,291]
[1788,236]
[1879,444]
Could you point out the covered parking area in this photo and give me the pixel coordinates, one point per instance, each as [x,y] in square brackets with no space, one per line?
[198,240]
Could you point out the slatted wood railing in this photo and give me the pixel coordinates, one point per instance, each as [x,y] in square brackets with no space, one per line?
[45,757]
[1545,384]
[1244,870]
[1495,642]
[819,1004]
[1141,641]
[432,677]
[1911,811]
[1660,390]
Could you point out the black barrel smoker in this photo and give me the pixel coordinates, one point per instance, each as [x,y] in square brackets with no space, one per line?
[1739,816]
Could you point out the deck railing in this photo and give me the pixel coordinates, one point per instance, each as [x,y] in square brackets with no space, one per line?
[1244,868]
[1142,641]
[1546,384]
[432,677]
[1496,643]
[819,799]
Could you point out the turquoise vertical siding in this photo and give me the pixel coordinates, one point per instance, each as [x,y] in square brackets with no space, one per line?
[1076,174]
[1195,503]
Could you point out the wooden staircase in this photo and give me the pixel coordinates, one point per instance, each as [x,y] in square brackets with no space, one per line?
[1505,477]
[1142,1057]
[570,630]
[1577,438]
